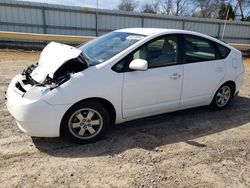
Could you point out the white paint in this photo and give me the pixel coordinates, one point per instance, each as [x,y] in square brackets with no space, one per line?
[139,64]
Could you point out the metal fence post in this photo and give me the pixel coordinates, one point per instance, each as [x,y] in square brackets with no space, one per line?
[183,24]
[96,23]
[44,20]
[219,28]
[142,21]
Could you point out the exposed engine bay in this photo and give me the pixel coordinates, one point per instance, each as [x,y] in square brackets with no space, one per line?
[56,64]
[60,76]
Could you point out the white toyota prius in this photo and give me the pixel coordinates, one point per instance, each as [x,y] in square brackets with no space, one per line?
[79,92]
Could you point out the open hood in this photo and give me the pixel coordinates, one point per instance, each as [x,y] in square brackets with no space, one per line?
[53,56]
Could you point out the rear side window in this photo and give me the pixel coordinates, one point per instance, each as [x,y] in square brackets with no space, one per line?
[198,49]
[223,51]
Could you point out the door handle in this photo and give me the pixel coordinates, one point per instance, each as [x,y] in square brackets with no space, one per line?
[175,76]
[219,69]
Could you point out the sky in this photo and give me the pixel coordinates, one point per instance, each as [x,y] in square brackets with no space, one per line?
[104,4]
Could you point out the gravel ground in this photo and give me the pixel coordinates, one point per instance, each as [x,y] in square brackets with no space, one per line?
[192,148]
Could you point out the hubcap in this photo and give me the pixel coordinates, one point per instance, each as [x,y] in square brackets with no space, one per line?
[85,123]
[223,96]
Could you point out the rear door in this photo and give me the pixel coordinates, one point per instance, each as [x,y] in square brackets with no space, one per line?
[203,71]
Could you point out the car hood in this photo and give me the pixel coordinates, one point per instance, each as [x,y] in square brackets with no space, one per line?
[53,56]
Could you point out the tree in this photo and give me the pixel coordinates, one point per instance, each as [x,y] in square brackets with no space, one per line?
[223,11]
[246,19]
[243,6]
[148,8]
[240,4]
[208,9]
[127,5]
[176,7]
[166,6]
[152,7]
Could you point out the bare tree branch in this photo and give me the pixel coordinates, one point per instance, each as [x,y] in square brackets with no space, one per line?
[127,5]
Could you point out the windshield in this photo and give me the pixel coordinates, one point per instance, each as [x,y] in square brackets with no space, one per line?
[107,46]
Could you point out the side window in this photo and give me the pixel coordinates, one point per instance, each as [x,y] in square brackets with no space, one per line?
[223,51]
[161,52]
[198,49]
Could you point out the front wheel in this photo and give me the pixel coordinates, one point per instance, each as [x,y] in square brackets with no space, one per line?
[222,97]
[85,122]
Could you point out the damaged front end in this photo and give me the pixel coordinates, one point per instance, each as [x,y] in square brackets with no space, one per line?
[56,64]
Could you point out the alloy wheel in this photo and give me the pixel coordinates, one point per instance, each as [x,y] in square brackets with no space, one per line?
[223,96]
[85,123]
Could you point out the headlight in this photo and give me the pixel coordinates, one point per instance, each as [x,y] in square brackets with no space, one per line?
[35,93]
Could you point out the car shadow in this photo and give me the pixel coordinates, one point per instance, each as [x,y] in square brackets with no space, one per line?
[153,132]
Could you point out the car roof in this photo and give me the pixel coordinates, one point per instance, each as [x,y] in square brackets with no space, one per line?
[143,31]
[151,31]
[156,31]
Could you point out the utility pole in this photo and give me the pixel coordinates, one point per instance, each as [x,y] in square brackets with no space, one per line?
[225,23]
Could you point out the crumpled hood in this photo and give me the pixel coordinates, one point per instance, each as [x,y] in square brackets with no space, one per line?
[53,56]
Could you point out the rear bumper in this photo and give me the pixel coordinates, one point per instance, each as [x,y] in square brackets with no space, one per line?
[236,93]
[34,117]
[239,82]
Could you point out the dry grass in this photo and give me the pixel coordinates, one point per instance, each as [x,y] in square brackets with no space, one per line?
[247,60]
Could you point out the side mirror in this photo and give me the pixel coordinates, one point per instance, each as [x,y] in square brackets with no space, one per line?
[139,65]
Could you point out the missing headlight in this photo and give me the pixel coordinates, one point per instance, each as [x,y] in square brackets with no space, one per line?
[69,67]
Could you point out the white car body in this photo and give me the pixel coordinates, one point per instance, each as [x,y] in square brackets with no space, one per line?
[133,95]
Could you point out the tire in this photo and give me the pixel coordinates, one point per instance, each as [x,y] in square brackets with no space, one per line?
[222,97]
[85,122]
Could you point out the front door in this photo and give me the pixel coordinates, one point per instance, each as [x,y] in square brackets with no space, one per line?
[157,89]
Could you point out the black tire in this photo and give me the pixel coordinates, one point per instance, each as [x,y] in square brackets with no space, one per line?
[216,104]
[82,119]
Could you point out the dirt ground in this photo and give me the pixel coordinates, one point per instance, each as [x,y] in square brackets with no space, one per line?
[191,148]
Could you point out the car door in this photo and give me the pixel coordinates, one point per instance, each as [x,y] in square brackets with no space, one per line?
[203,71]
[157,89]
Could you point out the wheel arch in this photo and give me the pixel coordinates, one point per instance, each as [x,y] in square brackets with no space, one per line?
[230,82]
[110,107]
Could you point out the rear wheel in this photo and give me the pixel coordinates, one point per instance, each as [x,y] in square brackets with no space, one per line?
[85,122]
[222,97]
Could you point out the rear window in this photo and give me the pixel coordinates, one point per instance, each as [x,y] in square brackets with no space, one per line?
[198,49]
[223,51]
